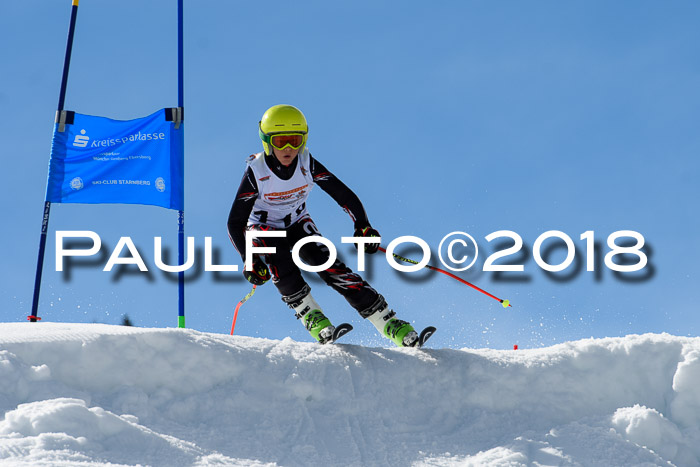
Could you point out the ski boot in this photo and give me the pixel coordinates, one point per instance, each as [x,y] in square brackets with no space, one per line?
[384,319]
[309,312]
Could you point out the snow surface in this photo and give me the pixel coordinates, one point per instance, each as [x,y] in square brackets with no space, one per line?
[92,394]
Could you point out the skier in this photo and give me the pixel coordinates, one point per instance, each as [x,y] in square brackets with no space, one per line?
[272,196]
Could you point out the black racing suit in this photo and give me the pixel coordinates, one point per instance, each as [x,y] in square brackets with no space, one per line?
[285,274]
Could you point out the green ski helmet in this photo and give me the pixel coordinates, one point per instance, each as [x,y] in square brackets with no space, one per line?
[280,121]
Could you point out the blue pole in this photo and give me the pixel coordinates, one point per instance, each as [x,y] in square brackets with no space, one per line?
[47,204]
[180,61]
[181,274]
[181,214]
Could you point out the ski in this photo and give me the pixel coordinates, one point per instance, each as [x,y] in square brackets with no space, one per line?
[340,331]
[424,336]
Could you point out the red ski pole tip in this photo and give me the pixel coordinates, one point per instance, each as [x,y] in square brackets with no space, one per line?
[505,303]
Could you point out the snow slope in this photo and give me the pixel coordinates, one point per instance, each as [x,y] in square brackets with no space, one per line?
[91,394]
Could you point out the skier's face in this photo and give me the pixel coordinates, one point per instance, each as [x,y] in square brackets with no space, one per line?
[285,156]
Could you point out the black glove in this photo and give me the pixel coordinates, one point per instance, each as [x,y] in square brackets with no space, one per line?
[368,231]
[259,275]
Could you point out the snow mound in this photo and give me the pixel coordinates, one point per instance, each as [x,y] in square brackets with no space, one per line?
[89,394]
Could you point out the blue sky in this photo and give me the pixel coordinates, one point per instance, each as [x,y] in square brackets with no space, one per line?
[469,116]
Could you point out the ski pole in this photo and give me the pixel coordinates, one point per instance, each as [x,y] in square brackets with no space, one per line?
[505,303]
[238,307]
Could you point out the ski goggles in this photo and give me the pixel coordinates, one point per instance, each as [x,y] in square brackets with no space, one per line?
[282,140]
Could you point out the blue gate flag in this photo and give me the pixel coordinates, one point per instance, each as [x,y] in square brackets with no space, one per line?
[98,160]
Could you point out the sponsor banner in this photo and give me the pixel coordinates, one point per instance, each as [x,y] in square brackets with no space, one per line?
[99,160]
